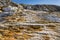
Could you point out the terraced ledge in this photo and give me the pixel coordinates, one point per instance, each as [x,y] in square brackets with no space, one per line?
[26,24]
[20,23]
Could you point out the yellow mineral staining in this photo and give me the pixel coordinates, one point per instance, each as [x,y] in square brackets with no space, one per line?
[9,38]
[22,32]
[16,19]
[6,35]
[22,19]
[0,9]
[0,35]
[26,36]
[10,34]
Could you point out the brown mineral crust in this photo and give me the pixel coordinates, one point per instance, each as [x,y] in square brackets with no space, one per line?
[46,37]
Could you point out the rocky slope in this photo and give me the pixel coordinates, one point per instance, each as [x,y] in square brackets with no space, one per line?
[50,8]
[20,23]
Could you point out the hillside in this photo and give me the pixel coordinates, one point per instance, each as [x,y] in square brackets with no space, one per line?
[29,22]
[51,8]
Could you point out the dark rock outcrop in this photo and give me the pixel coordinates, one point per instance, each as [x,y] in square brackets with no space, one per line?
[50,8]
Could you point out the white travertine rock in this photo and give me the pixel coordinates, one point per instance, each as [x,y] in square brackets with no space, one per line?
[52,18]
[10,9]
[17,23]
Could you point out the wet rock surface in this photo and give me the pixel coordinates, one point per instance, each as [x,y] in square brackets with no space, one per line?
[17,23]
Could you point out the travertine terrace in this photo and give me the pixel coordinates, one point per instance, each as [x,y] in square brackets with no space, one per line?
[18,23]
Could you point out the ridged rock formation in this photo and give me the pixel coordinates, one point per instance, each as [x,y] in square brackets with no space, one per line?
[20,23]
